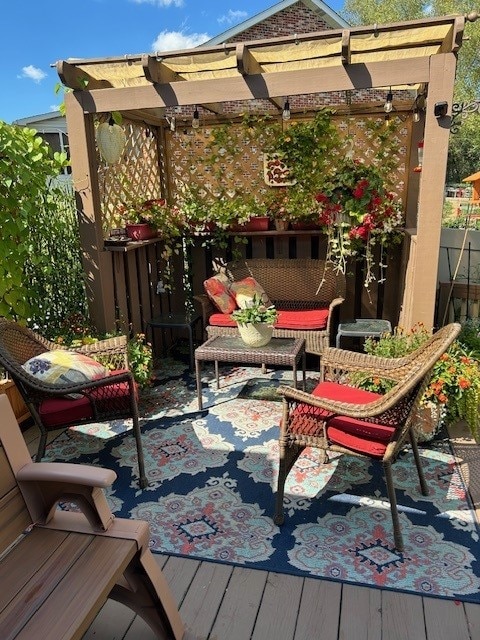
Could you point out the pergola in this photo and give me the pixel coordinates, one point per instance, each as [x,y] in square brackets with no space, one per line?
[413,55]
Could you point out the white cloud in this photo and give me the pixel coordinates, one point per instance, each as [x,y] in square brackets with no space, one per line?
[160,3]
[171,40]
[33,73]
[232,17]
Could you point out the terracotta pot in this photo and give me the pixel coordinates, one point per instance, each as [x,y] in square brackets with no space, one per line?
[259,223]
[140,231]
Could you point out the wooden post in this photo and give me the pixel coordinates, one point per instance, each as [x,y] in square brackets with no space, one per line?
[97,263]
[419,297]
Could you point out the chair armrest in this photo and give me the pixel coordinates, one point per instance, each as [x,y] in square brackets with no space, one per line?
[111,351]
[40,387]
[333,304]
[44,484]
[64,472]
[336,407]
[357,361]
[207,307]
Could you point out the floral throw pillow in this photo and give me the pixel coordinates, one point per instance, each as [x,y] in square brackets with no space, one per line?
[247,289]
[61,368]
[217,289]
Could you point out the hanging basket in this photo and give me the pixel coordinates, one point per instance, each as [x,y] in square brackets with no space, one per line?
[110,141]
[255,335]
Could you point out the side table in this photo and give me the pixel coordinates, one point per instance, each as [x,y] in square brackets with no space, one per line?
[363,328]
[278,352]
[177,321]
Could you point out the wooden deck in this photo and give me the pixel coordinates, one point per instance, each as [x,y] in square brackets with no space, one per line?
[221,602]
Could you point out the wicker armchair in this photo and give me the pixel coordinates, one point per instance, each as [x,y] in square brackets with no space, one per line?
[337,417]
[107,398]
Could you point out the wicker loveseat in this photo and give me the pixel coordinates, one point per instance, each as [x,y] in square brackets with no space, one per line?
[291,285]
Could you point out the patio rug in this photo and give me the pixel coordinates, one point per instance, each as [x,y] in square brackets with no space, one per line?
[212,475]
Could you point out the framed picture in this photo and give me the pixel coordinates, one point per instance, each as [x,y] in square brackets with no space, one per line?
[275,171]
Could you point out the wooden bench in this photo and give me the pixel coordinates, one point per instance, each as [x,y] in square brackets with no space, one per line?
[291,284]
[57,568]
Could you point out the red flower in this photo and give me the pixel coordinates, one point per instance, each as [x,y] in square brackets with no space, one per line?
[368,221]
[358,233]
[321,197]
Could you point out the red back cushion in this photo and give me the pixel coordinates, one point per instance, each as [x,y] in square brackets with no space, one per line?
[217,289]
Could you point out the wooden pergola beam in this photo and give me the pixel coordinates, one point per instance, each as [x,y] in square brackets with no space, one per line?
[75,78]
[291,83]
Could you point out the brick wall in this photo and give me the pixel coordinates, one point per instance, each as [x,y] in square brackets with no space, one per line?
[295,19]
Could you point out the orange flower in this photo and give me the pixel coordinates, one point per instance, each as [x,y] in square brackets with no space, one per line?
[444,357]
[464,383]
[442,398]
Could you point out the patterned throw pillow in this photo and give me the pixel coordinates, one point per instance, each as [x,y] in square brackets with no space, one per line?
[61,368]
[218,290]
[248,288]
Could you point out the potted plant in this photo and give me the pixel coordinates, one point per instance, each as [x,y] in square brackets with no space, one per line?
[255,322]
[454,390]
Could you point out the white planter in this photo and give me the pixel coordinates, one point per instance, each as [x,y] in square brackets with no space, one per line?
[256,335]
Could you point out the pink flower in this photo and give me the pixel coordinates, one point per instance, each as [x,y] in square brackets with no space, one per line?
[359,233]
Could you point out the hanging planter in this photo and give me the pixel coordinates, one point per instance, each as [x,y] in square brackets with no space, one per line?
[111,141]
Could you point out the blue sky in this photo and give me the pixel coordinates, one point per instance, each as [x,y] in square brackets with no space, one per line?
[36,33]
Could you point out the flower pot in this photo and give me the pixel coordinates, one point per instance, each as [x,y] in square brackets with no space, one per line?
[282,225]
[428,419]
[258,223]
[255,335]
[304,226]
[141,231]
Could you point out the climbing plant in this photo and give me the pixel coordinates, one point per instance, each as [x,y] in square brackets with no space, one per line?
[41,277]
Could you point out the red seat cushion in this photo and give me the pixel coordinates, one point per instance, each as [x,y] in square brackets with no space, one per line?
[309,319]
[358,435]
[59,411]
[221,320]
[305,319]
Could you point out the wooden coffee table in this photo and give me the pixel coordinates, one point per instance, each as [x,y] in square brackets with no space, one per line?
[279,351]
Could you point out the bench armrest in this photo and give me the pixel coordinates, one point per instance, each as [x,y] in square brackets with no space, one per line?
[44,484]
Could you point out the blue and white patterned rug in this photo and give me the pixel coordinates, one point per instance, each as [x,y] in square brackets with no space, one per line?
[212,477]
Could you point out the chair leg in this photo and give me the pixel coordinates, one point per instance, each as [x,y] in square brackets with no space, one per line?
[288,457]
[418,464]
[42,445]
[397,534]
[147,593]
[143,481]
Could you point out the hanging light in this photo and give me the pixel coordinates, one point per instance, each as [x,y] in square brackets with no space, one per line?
[388,106]
[195,119]
[111,141]
[286,110]
[171,123]
[416,115]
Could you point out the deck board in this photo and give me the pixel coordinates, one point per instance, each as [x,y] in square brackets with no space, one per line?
[445,620]
[279,607]
[361,613]
[237,614]
[402,616]
[319,609]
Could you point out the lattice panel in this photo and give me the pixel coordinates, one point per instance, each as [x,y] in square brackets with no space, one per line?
[135,178]
[240,169]
[366,144]
[240,162]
